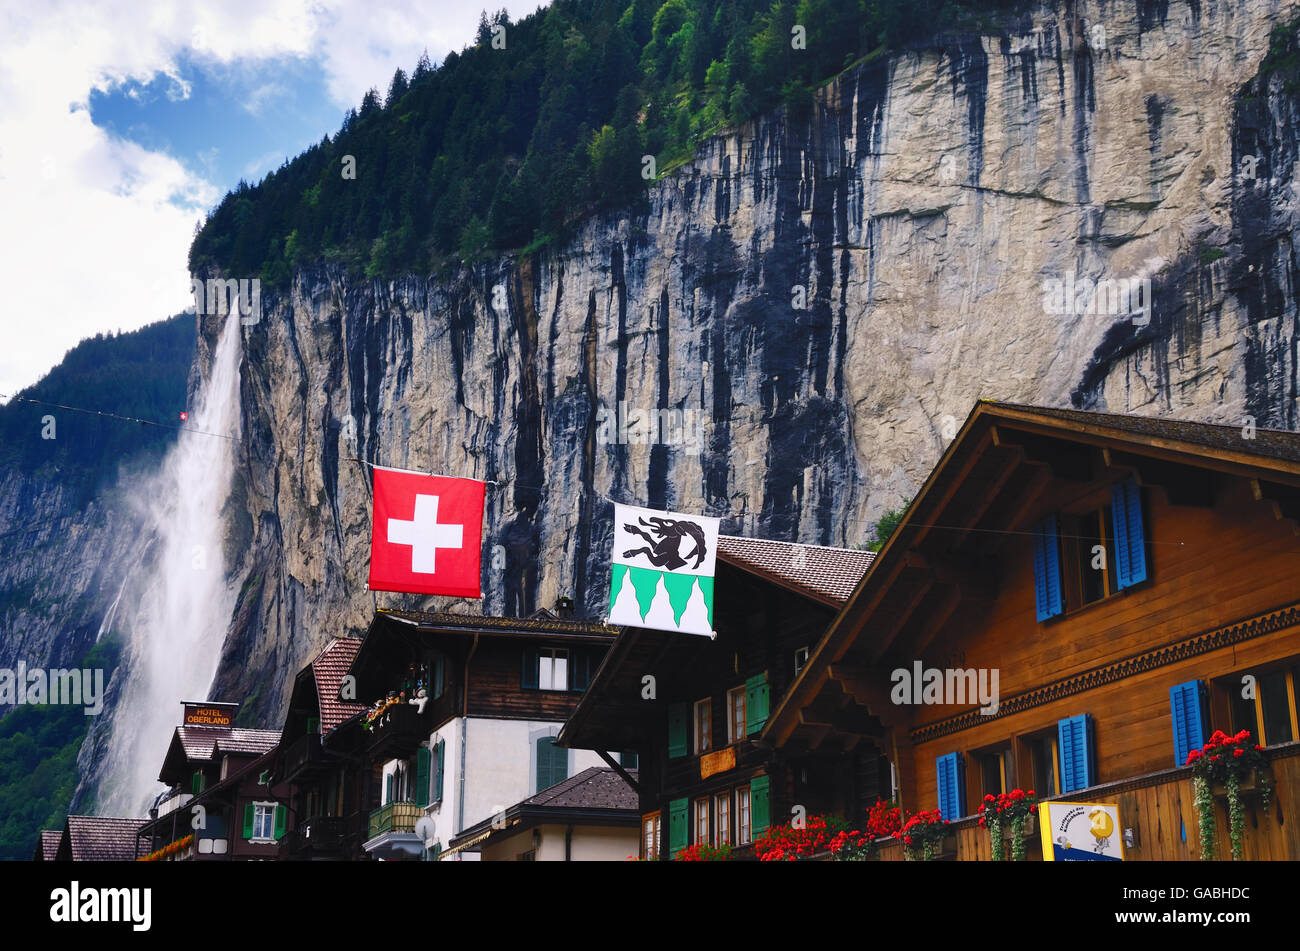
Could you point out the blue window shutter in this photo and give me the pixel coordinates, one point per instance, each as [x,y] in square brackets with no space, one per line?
[1047,569]
[1130,543]
[1075,737]
[1187,706]
[952,797]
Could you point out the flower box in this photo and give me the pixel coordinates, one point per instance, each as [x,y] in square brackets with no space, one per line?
[1249,785]
[946,851]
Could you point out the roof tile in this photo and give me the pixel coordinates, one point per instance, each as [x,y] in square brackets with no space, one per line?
[828,573]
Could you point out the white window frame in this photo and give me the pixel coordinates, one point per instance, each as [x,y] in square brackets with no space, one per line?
[704,739]
[722,819]
[266,809]
[736,693]
[650,835]
[744,817]
[548,665]
[805,653]
[704,811]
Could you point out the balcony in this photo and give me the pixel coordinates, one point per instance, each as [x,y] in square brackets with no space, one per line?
[397,732]
[391,831]
[304,758]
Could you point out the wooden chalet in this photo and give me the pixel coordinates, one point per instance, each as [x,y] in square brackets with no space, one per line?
[224,802]
[590,817]
[321,758]
[693,708]
[461,719]
[1133,581]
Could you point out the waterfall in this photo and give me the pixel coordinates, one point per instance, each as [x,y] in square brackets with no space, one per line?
[175,629]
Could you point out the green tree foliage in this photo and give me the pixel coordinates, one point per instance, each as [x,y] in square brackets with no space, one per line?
[885,526]
[498,148]
[141,374]
[38,763]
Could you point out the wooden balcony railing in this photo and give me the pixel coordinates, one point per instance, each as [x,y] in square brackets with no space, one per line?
[394,817]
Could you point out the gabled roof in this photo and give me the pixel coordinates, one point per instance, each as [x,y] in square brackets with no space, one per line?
[596,787]
[953,505]
[595,796]
[329,669]
[826,574]
[206,743]
[103,839]
[48,846]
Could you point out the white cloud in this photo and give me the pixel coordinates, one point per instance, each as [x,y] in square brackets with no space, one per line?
[96,229]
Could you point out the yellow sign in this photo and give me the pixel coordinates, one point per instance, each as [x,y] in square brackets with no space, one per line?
[719,762]
[1080,832]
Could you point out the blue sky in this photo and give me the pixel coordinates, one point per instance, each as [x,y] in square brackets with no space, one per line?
[223,123]
[125,121]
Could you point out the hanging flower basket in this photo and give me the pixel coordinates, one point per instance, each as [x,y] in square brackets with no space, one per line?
[1009,817]
[927,837]
[1237,766]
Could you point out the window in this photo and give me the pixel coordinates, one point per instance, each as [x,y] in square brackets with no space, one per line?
[628,760]
[800,660]
[742,816]
[1089,553]
[702,822]
[1044,763]
[703,725]
[995,771]
[650,836]
[552,763]
[722,812]
[263,821]
[553,668]
[1272,714]
[736,715]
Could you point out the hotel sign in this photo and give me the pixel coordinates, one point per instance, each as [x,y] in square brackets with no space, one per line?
[718,762]
[1080,832]
[210,714]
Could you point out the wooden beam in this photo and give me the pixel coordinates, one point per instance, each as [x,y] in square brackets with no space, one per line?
[1183,484]
[895,624]
[618,768]
[1066,459]
[1282,499]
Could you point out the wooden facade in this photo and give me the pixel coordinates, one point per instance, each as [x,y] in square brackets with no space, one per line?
[692,709]
[1214,602]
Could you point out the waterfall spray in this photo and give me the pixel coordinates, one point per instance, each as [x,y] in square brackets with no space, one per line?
[176,629]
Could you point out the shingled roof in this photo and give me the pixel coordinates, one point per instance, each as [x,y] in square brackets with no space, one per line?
[597,787]
[204,742]
[543,624]
[103,839]
[827,574]
[48,846]
[329,668]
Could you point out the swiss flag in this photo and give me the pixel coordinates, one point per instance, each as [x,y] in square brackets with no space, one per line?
[427,535]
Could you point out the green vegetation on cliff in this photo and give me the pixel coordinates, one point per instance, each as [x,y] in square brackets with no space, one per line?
[510,142]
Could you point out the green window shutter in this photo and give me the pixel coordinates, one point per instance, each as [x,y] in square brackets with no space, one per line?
[676,730]
[281,816]
[437,776]
[313,724]
[757,694]
[528,676]
[196,782]
[422,758]
[388,797]
[248,821]
[760,805]
[678,825]
[552,763]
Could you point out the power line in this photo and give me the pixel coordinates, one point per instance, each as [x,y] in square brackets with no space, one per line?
[118,416]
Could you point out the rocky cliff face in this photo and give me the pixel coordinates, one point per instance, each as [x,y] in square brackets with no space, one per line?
[822,298]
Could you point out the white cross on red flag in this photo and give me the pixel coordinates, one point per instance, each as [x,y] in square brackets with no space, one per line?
[427,535]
